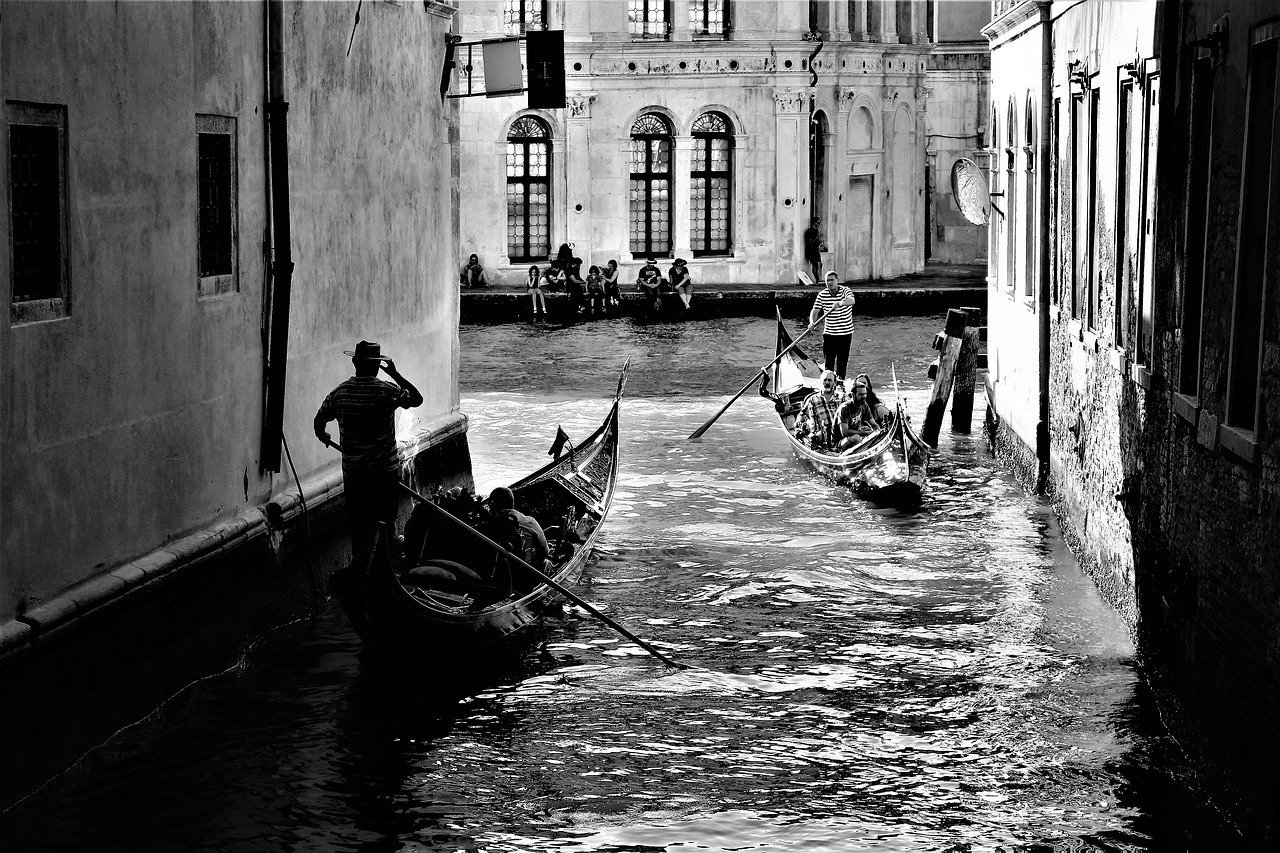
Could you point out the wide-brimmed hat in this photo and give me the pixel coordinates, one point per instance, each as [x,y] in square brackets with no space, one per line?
[680,262]
[367,350]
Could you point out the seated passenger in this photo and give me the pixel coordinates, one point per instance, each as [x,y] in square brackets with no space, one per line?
[502,505]
[815,425]
[881,410]
[855,419]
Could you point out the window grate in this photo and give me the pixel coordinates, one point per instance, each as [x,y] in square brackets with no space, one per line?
[35,193]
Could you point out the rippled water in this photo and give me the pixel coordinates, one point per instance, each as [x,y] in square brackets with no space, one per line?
[864,679]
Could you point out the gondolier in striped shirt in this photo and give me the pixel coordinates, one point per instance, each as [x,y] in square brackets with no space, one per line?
[834,306]
[364,407]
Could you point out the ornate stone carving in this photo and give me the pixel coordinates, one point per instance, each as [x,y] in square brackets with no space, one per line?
[580,104]
[606,66]
[923,93]
[791,100]
[889,96]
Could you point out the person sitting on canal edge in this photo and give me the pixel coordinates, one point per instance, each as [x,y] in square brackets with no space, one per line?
[855,419]
[535,285]
[576,287]
[612,296]
[681,281]
[365,409]
[473,274]
[596,301]
[834,306]
[649,281]
[816,423]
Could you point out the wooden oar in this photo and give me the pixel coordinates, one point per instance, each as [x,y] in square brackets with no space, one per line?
[519,561]
[560,588]
[697,433]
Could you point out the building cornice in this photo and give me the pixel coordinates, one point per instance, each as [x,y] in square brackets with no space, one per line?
[441,8]
[1015,19]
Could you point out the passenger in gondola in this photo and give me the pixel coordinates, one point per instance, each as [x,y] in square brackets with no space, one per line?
[534,549]
[816,423]
[882,411]
[856,419]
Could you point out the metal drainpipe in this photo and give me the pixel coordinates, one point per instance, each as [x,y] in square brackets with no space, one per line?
[1042,313]
[282,262]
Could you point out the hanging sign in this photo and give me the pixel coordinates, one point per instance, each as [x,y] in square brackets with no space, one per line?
[969,188]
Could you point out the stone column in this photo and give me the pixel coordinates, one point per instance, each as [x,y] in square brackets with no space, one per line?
[678,25]
[576,167]
[858,21]
[840,22]
[739,221]
[573,18]
[559,191]
[793,19]
[791,147]
[887,32]
[680,196]
[840,167]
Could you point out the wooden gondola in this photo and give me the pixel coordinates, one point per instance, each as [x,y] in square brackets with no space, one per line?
[452,597]
[888,466]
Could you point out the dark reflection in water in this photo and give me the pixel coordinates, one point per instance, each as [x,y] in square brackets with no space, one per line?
[866,679]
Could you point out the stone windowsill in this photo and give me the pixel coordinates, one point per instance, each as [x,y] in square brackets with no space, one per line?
[1141,376]
[1055,311]
[1090,341]
[1242,443]
[1075,329]
[1119,360]
[1187,408]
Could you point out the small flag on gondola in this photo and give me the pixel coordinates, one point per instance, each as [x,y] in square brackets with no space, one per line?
[562,438]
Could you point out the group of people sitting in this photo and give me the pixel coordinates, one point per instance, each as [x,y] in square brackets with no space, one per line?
[832,419]
[654,286]
[596,294]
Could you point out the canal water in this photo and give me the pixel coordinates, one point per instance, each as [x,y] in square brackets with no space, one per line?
[863,678]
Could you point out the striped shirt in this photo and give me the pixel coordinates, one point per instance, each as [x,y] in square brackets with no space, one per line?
[839,318]
[365,407]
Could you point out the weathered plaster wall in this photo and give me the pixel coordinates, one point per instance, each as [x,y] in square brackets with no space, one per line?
[957,115]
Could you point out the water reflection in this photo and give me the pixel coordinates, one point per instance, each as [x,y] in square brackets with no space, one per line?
[865,679]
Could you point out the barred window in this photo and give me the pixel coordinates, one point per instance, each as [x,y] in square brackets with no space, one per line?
[711,185]
[650,187]
[519,16]
[528,190]
[647,18]
[37,211]
[709,17]
[215,205]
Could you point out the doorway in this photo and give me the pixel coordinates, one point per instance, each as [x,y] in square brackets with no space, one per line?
[859,216]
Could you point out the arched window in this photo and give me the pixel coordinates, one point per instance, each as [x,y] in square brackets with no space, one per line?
[1029,219]
[650,189]
[711,184]
[1011,197]
[520,16]
[648,18]
[818,166]
[528,190]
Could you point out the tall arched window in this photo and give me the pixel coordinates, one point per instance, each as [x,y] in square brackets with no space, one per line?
[1011,197]
[818,166]
[711,179]
[528,190]
[650,189]
[520,16]
[1029,220]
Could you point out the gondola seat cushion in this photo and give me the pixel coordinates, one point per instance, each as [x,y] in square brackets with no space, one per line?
[440,574]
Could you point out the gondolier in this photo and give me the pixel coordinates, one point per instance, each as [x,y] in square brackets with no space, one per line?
[834,306]
[364,407]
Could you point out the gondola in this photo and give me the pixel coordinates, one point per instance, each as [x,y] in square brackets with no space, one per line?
[889,466]
[452,597]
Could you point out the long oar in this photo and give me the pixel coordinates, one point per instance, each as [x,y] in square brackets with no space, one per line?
[697,433]
[560,588]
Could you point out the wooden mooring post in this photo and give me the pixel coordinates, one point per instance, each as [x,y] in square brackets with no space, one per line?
[957,321]
[966,374]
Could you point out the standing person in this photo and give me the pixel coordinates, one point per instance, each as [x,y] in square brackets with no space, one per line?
[612,296]
[364,407]
[681,281]
[813,248]
[473,274]
[834,306]
[595,291]
[534,285]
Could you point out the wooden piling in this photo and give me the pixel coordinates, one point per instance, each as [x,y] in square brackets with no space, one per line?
[957,321]
[966,375]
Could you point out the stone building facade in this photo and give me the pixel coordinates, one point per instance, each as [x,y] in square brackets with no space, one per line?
[711,130]
[146,535]
[1133,355]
